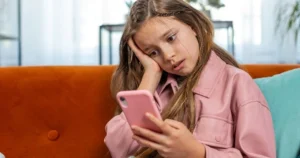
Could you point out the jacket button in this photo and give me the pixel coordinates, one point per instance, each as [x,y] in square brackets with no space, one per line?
[53,135]
[218,138]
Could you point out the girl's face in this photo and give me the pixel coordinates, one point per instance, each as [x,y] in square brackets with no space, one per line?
[169,42]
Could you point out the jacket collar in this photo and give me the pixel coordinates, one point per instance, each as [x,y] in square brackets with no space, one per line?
[210,75]
[170,81]
[208,79]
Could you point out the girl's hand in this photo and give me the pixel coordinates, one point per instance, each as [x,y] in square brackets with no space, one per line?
[153,72]
[176,141]
[148,63]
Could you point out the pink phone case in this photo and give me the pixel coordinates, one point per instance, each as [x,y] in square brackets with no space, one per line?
[139,102]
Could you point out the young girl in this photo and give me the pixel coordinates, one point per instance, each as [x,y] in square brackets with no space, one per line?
[210,107]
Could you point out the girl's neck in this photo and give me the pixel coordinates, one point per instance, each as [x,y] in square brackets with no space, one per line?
[180,80]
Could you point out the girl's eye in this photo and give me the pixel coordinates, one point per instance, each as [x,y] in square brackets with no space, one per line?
[153,53]
[172,38]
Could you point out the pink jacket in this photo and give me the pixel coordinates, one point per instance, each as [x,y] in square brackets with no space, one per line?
[233,119]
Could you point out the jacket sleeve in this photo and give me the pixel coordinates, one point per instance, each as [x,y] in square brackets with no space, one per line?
[254,135]
[118,137]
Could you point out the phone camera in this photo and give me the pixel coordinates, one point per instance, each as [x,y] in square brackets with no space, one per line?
[122,99]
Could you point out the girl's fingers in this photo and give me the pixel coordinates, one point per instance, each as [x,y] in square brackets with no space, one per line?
[161,124]
[148,134]
[174,124]
[147,143]
[135,50]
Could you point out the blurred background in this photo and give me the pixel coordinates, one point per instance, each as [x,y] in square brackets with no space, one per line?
[87,32]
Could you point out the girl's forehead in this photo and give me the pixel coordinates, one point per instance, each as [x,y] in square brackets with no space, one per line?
[159,22]
[153,29]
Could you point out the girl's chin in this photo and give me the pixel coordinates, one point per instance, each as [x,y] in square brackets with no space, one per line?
[183,73]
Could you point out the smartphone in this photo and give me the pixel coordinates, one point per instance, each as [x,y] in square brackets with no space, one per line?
[135,104]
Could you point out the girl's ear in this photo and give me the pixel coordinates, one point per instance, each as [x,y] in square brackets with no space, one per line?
[194,32]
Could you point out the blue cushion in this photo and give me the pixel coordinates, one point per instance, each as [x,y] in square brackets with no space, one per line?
[282,93]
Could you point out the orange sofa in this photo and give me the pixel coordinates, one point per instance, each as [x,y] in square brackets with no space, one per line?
[61,111]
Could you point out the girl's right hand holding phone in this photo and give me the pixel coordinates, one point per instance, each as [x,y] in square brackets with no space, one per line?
[153,71]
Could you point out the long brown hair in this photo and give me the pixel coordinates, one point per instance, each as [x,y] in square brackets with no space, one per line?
[129,73]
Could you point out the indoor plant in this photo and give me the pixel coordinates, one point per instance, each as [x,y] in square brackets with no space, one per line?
[288,19]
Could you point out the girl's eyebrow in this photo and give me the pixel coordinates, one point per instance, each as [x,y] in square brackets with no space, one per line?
[162,37]
[166,33]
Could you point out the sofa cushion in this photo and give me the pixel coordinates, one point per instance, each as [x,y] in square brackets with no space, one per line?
[282,93]
[55,111]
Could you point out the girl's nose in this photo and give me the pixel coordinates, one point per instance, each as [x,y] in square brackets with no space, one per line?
[169,54]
